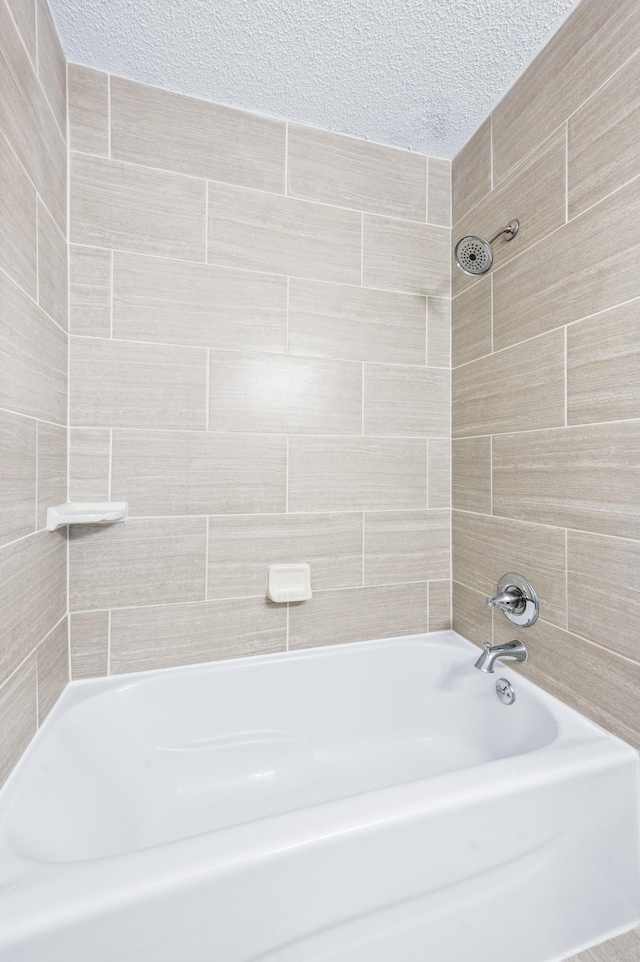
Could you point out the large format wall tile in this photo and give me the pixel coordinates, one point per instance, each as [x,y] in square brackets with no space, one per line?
[440,605]
[439,474]
[158,128]
[52,658]
[580,477]
[123,384]
[356,474]
[406,401]
[18,255]
[89,644]
[160,561]
[603,366]
[471,617]
[28,124]
[19,471]
[603,140]
[400,255]
[284,395]
[263,232]
[624,948]
[52,268]
[519,389]
[587,48]
[439,192]
[88,110]
[241,549]
[18,715]
[590,679]
[358,614]
[89,465]
[604,598]
[52,468]
[33,357]
[24,13]
[486,548]
[164,636]
[191,472]
[471,172]
[340,170]
[471,473]
[586,266]
[534,194]
[180,303]
[471,334]
[405,546]
[90,291]
[52,66]
[136,209]
[331,320]
[32,594]
[438,332]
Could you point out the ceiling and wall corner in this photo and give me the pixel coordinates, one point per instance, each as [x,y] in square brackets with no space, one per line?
[419,75]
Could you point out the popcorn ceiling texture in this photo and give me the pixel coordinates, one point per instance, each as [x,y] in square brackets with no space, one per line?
[413,74]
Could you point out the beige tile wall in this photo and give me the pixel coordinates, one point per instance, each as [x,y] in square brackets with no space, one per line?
[546,367]
[260,366]
[34,645]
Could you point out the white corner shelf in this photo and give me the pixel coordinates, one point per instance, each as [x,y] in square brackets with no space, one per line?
[86,512]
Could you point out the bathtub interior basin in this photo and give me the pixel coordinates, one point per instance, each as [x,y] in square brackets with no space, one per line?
[141,760]
[352,803]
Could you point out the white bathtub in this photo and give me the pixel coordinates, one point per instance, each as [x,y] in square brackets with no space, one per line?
[361,803]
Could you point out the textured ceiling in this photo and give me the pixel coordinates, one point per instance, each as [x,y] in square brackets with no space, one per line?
[415,73]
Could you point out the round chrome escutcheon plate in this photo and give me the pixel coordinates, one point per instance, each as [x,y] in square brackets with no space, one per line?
[505,692]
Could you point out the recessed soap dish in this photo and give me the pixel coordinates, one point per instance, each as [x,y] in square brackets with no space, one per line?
[291,582]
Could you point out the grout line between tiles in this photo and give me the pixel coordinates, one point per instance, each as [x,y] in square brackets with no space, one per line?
[207,389]
[37,499]
[566,172]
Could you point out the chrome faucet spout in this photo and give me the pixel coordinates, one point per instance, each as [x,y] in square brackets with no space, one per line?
[511,651]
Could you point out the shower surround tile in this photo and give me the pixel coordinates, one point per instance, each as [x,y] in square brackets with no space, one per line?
[18,715]
[579,477]
[332,320]
[471,474]
[157,128]
[167,473]
[123,384]
[52,660]
[159,561]
[406,401]
[175,302]
[32,594]
[340,170]
[18,250]
[603,138]
[136,209]
[471,172]
[471,322]
[439,192]
[52,468]
[603,366]
[358,614]
[249,230]
[89,644]
[284,395]
[52,269]
[585,51]
[89,464]
[402,256]
[356,474]
[406,546]
[88,110]
[535,194]
[165,636]
[241,549]
[532,380]
[18,445]
[90,291]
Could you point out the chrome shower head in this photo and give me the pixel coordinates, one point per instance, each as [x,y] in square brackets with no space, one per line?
[474,254]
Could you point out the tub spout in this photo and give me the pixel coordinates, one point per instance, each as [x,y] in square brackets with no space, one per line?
[512,651]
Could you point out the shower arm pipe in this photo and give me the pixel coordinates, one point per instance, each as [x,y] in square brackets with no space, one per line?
[511,229]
